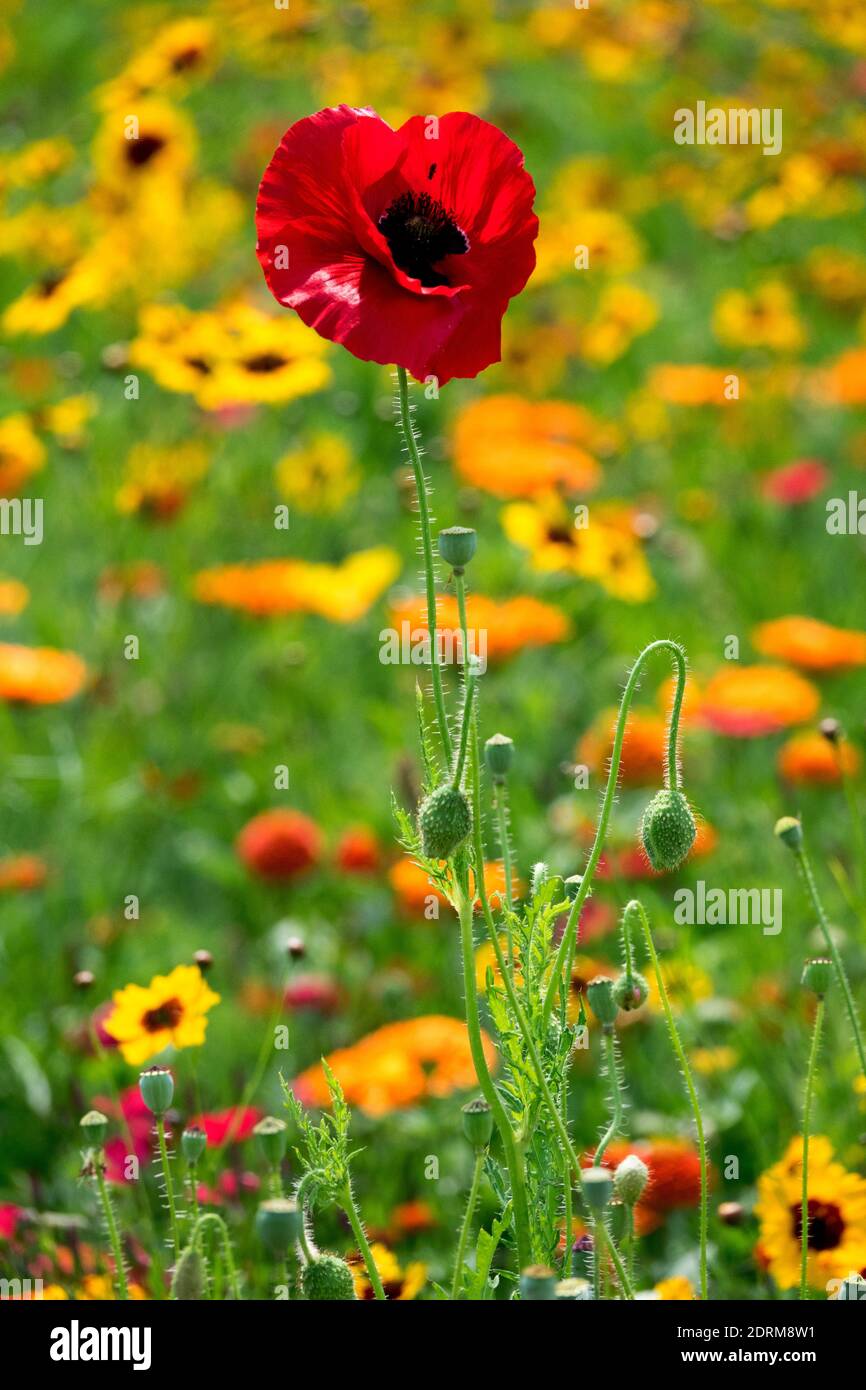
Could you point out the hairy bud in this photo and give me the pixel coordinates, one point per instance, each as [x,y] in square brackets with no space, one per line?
[667,830]
[444,821]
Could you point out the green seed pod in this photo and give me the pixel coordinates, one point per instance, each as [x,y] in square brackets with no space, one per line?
[457,546]
[328,1278]
[157,1089]
[93,1127]
[193,1143]
[630,991]
[667,830]
[444,821]
[573,1290]
[278,1223]
[272,1135]
[599,992]
[537,1283]
[499,755]
[630,1179]
[817,975]
[598,1186]
[188,1280]
[789,830]
[478,1123]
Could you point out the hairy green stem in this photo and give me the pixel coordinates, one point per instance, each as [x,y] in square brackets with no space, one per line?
[210,1218]
[465,722]
[807,1118]
[615,1096]
[427,550]
[169,1185]
[569,936]
[467,1223]
[805,868]
[348,1205]
[113,1234]
[676,1044]
[307,1181]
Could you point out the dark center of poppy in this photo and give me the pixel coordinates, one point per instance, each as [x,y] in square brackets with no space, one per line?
[265,362]
[420,232]
[167,1015]
[826,1226]
[141,151]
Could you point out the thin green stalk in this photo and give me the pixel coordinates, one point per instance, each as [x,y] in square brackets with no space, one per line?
[111,1226]
[630,1237]
[210,1218]
[465,722]
[355,1222]
[677,1046]
[807,1117]
[505,847]
[569,936]
[568,1199]
[615,1095]
[427,550]
[169,1185]
[467,1223]
[841,974]
[307,1181]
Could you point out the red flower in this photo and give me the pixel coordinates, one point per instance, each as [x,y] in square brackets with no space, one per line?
[220,1123]
[279,844]
[403,245]
[316,993]
[358,851]
[796,482]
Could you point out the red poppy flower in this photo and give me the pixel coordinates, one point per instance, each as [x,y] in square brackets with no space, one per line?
[279,844]
[403,245]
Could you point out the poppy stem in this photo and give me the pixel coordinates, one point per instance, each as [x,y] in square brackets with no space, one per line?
[169,1185]
[615,1095]
[348,1205]
[569,936]
[210,1218]
[409,435]
[807,1112]
[111,1227]
[676,1044]
[467,1223]
[805,868]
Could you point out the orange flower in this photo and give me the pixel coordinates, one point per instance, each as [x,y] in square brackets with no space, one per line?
[811,644]
[39,675]
[414,889]
[14,597]
[398,1065]
[280,844]
[20,872]
[517,448]
[684,384]
[809,757]
[643,748]
[746,701]
[358,851]
[341,593]
[674,1177]
[497,630]
[844,381]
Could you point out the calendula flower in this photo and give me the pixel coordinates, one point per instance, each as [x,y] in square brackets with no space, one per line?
[643,747]
[280,844]
[397,1283]
[321,475]
[340,593]
[691,384]
[814,645]
[843,381]
[507,626]
[39,675]
[22,453]
[171,1010]
[677,1289]
[517,448]
[808,758]
[747,701]
[765,318]
[403,248]
[837,1216]
[398,1066]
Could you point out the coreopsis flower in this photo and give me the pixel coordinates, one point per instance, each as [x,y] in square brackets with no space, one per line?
[22,453]
[172,1010]
[406,245]
[810,644]
[507,625]
[39,675]
[837,1216]
[280,844]
[398,1283]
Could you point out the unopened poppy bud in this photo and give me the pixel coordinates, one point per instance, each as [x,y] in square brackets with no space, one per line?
[193,1143]
[83,979]
[789,830]
[817,975]
[204,961]
[731,1213]
[188,1280]
[296,948]
[537,1282]
[572,885]
[499,755]
[630,990]
[444,821]
[273,1137]
[157,1089]
[573,1290]
[630,1179]
[667,830]
[599,992]
[93,1127]
[478,1123]
[327,1278]
[830,729]
[278,1223]
[457,546]
[598,1186]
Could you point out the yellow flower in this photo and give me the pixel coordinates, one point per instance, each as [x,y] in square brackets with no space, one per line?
[767,318]
[14,597]
[22,453]
[154,144]
[341,593]
[675,1290]
[612,245]
[171,1010]
[709,1060]
[606,551]
[47,304]
[182,50]
[837,1216]
[623,314]
[158,479]
[686,985]
[400,1284]
[321,475]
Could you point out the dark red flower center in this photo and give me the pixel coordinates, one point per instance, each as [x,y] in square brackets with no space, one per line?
[265,362]
[142,150]
[826,1226]
[420,233]
[167,1015]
